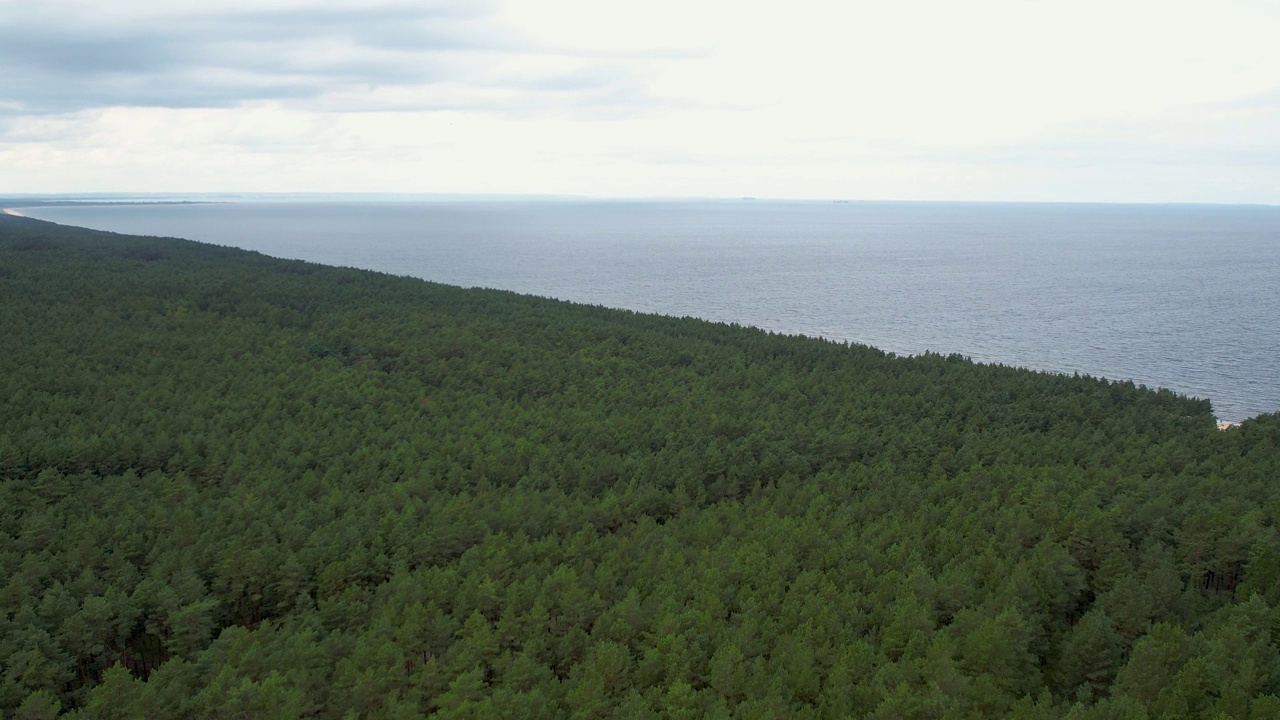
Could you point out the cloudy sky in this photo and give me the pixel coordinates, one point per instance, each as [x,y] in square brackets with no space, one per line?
[1090,100]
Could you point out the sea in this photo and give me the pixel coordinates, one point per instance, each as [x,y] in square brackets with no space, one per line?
[1184,297]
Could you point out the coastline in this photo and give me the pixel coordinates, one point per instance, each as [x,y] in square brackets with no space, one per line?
[1233,414]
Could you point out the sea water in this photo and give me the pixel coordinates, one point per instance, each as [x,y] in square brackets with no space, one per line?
[1185,297]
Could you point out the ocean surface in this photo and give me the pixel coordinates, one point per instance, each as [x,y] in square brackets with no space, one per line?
[1177,296]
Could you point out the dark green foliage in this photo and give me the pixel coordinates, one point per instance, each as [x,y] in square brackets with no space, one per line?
[233,486]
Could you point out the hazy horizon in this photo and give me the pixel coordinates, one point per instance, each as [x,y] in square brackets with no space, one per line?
[373,196]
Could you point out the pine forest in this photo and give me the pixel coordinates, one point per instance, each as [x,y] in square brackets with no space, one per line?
[233,486]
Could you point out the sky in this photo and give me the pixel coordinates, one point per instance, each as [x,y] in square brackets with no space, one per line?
[1003,100]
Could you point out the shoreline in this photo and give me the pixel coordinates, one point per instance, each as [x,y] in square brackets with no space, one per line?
[1219,423]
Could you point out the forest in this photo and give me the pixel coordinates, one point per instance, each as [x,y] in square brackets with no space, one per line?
[233,486]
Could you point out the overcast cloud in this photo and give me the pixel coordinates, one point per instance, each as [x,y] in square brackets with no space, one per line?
[321,57]
[990,99]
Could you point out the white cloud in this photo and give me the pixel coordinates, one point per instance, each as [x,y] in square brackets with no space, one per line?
[990,99]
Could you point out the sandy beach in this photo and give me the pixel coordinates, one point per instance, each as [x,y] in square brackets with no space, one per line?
[11,211]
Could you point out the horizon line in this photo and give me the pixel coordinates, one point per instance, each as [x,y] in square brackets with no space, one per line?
[16,200]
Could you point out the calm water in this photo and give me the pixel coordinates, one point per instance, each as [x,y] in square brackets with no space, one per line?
[1183,297]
